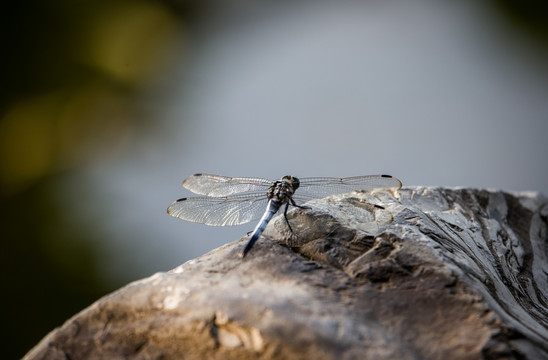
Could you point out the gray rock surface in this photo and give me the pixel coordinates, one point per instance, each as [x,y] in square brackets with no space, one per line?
[457,274]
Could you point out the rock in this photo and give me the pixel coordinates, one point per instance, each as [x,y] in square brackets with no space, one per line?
[457,274]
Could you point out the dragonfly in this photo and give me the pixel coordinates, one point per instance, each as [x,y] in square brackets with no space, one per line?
[230,201]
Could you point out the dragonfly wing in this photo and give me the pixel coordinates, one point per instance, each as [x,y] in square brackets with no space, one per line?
[218,186]
[322,187]
[220,211]
[370,216]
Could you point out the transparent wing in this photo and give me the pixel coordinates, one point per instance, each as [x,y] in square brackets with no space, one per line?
[215,185]
[313,188]
[220,211]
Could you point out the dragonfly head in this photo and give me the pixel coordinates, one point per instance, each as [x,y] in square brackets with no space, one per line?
[292,180]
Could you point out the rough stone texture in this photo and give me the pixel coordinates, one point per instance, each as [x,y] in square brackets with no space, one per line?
[458,274]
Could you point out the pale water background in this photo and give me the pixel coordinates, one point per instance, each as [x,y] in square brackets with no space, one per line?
[435,94]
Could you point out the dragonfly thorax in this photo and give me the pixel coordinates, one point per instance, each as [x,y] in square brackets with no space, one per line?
[282,190]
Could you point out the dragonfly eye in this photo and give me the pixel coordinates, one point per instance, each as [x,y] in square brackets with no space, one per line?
[294,181]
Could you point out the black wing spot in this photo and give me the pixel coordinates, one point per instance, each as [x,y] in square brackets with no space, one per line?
[181,199]
[199,174]
[387,176]
[378,206]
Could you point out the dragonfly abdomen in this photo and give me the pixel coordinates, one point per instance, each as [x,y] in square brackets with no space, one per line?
[272,208]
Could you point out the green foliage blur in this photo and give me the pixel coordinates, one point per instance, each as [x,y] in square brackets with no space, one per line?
[72,73]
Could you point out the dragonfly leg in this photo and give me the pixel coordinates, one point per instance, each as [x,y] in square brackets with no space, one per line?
[285,217]
[299,206]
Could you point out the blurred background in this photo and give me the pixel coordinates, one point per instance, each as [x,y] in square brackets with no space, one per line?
[105,107]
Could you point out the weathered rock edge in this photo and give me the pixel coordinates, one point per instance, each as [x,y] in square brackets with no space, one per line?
[458,274]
